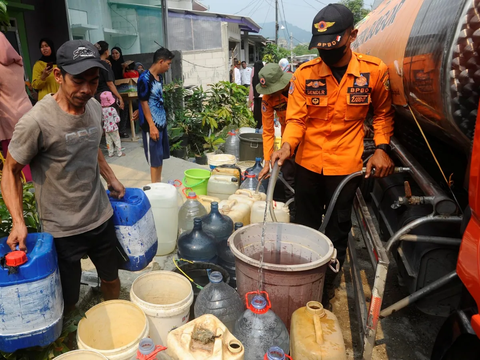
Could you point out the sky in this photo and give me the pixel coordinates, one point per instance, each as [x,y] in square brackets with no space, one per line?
[297,12]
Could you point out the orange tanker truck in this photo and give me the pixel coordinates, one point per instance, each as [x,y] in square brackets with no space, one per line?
[426,218]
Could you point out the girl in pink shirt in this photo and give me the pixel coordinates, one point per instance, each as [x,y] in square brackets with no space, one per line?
[110,120]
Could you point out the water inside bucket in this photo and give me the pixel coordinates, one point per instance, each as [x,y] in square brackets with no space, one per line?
[280,258]
[262,251]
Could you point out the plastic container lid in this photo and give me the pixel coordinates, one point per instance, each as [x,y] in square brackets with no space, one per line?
[146,346]
[215,277]
[259,302]
[192,195]
[16,258]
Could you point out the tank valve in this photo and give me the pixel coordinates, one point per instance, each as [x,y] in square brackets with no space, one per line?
[410,199]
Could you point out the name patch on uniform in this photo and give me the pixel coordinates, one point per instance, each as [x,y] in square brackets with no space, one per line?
[359,98]
[363,80]
[316,87]
[359,90]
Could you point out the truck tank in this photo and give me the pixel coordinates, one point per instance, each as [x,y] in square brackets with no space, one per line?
[430,47]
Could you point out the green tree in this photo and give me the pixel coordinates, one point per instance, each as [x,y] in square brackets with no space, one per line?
[302,49]
[357,7]
[272,54]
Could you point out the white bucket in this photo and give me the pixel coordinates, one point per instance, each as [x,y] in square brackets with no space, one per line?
[81,355]
[221,159]
[113,328]
[165,297]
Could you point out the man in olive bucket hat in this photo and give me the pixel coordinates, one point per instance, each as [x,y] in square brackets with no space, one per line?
[273,85]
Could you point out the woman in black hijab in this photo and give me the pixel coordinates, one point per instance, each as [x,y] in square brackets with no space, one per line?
[42,75]
[116,59]
[257,100]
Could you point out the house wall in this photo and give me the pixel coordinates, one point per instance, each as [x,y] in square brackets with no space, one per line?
[204,67]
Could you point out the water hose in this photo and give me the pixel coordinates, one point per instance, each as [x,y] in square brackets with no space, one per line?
[270,190]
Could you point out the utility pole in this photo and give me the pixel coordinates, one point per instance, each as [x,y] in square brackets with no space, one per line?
[276,23]
[291,47]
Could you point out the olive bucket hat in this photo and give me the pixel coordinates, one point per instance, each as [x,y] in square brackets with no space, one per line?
[272,79]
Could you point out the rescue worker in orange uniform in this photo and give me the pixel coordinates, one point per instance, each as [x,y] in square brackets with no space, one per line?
[273,85]
[329,98]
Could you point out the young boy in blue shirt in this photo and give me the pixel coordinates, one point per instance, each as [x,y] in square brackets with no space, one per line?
[153,119]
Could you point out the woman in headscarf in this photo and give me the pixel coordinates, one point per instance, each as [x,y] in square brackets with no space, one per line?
[42,77]
[117,61]
[139,67]
[254,96]
[15,102]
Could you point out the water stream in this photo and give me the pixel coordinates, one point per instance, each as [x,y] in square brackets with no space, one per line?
[262,249]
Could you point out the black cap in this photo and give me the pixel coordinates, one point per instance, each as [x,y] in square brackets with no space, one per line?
[77,56]
[329,26]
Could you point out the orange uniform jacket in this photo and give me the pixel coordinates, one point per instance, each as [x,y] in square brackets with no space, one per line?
[270,104]
[326,118]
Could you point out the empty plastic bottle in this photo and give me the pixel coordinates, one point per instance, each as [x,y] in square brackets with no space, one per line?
[251,183]
[232,144]
[221,300]
[148,350]
[191,209]
[259,328]
[197,245]
[256,169]
[276,353]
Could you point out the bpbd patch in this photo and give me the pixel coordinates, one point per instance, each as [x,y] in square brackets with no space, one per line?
[316,87]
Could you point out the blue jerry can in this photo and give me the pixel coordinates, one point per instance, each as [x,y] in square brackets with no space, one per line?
[31,301]
[135,228]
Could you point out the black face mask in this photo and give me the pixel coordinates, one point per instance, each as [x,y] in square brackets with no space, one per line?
[331,57]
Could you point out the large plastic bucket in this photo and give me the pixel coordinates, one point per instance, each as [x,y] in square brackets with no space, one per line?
[113,328]
[251,146]
[215,160]
[296,258]
[165,297]
[197,180]
[81,355]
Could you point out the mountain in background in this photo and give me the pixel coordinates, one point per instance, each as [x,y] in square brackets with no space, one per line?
[299,35]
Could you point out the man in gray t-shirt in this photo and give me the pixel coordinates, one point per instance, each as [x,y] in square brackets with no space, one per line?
[60,139]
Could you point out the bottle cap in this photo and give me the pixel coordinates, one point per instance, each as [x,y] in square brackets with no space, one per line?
[192,195]
[238,225]
[146,346]
[15,258]
[231,133]
[215,277]
[145,188]
[275,353]
[259,302]
[258,159]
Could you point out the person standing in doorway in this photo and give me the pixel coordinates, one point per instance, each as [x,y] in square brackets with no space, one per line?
[236,73]
[152,115]
[246,74]
[43,80]
[60,139]
[329,98]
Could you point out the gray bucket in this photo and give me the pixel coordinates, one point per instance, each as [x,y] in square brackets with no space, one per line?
[296,258]
[251,146]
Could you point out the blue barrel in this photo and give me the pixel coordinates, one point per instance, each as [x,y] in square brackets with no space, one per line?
[135,228]
[31,301]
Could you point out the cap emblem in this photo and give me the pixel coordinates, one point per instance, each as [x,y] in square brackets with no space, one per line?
[323,26]
[82,52]
[263,82]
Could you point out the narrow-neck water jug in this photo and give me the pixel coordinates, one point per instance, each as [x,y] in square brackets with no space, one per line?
[189,211]
[232,144]
[259,328]
[197,245]
[218,225]
[251,183]
[219,299]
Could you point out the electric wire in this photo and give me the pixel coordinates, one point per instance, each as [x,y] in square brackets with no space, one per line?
[249,4]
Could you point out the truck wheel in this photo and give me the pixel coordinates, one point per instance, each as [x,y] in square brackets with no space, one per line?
[466,347]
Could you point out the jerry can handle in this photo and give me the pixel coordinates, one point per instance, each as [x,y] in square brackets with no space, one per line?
[231,166]
[251,308]
[334,264]
[175,183]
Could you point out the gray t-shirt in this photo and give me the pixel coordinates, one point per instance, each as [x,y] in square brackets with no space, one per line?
[62,150]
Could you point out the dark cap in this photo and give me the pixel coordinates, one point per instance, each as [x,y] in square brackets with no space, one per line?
[329,26]
[77,56]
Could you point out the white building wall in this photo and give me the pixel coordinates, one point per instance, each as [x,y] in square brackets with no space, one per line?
[180,4]
[204,67]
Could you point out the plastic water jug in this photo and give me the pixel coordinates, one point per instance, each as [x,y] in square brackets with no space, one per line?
[316,334]
[235,210]
[220,226]
[135,228]
[206,201]
[197,245]
[276,353]
[148,350]
[257,196]
[251,183]
[31,302]
[189,211]
[281,211]
[181,198]
[222,186]
[259,328]
[221,300]
[256,169]
[204,338]
[164,201]
[232,144]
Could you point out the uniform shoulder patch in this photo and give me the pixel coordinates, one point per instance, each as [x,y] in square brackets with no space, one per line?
[369,58]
